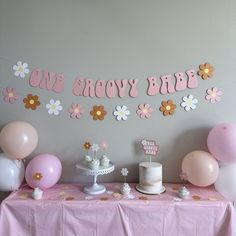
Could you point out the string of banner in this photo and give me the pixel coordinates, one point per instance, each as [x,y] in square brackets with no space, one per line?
[86,87]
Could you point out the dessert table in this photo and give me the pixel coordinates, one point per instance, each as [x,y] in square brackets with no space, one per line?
[65,210]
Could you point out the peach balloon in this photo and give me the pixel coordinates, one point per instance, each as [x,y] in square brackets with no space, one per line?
[18,139]
[200,168]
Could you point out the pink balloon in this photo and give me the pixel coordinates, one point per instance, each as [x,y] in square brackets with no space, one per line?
[43,171]
[200,168]
[18,139]
[221,142]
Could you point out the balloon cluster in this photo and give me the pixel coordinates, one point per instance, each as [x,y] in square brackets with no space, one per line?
[18,140]
[221,143]
[202,168]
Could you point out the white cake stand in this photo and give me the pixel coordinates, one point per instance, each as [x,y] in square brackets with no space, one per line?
[95,188]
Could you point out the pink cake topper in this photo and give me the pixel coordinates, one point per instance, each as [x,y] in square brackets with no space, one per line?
[150,147]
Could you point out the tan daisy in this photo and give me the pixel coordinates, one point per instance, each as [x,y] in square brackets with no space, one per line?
[206,70]
[98,113]
[167,107]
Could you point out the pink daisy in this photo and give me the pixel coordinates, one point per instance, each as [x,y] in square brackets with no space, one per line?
[144,111]
[76,111]
[9,95]
[213,95]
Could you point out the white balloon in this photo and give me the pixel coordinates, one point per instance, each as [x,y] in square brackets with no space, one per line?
[226,181]
[12,173]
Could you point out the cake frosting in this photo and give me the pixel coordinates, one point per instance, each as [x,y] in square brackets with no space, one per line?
[150,176]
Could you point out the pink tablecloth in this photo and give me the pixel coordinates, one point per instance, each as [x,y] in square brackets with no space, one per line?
[66,211]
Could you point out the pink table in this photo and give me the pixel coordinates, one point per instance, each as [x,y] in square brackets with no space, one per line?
[66,211]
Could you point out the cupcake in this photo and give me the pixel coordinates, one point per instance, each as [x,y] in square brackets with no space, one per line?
[105,161]
[183,192]
[94,164]
[125,189]
[37,194]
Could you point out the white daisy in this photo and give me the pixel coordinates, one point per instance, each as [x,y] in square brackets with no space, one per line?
[189,102]
[95,147]
[121,113]
[124,171]
[54,107]
[21,69]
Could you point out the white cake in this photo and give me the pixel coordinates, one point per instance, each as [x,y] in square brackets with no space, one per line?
[150,177]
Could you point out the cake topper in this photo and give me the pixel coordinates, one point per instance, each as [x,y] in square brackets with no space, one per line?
[95,148]
[125,188]
[87,146]
[150,148]
[124,172]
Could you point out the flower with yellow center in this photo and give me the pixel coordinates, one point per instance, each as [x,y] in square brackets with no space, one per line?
[121,113]
[167,107]
[189,102]
[144,111]
[31,102]
[21,69]
[206,70]
[76,111]
[54,107]
[98,112]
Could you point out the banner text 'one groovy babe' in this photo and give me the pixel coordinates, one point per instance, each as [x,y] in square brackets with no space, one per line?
[111,88]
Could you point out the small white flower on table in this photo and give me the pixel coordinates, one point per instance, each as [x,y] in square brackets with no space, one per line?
[125,188]
[124,171]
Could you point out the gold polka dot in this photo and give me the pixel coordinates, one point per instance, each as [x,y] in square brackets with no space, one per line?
[24,196]
[212,199]
[104,198]
[196,197]
[70,198]
[99,113]
[31,101]
[143,198]
[116,195]
[62,193]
